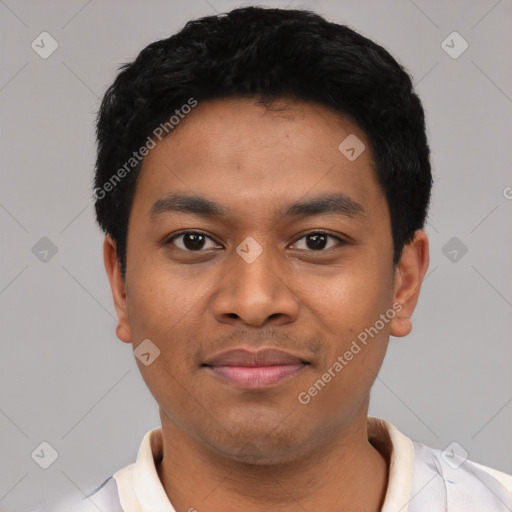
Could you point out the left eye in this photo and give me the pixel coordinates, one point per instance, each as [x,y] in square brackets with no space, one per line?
[318,241]
[193,241]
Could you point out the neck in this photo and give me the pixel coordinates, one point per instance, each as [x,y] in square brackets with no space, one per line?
[345,473]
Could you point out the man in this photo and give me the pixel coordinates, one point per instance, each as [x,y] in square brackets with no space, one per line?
[263,179]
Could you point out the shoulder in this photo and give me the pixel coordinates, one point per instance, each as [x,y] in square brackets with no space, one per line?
[456,483]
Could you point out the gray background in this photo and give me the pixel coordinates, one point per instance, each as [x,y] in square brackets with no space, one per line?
[67,380]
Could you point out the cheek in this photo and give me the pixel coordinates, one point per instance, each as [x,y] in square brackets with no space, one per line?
[165,309]
[160,313]
[351,299]
[348,309]
[355,348]
[160,302]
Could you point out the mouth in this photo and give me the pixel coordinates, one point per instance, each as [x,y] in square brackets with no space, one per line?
[255,370]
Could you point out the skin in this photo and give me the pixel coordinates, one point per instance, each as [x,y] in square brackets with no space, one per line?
[226,448]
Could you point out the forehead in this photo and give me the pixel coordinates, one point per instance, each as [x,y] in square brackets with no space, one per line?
[243,153]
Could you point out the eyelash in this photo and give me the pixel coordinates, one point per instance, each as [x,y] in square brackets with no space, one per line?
[339,240]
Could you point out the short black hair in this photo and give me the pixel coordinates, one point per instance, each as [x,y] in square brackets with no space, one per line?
[266,54]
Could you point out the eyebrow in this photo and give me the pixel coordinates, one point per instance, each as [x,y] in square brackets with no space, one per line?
[184,203]
[335,203]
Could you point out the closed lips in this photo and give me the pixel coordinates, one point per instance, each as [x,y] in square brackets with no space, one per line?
[255,370]
[261,358]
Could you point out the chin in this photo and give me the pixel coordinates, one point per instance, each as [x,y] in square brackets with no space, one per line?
[254,454]
[261,443]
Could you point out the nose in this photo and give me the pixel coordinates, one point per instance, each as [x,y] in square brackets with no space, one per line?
[255,293]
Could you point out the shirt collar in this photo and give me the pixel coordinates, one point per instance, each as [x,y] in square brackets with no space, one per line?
[399,451]
[140,488]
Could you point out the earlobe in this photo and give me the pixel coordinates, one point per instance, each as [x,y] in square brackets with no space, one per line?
[117,286]
[122,333]
[409,274]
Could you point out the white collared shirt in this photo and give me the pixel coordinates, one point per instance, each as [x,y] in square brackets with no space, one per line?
[421,479]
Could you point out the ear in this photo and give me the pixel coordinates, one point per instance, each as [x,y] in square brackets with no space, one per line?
[117,285]
[409,275]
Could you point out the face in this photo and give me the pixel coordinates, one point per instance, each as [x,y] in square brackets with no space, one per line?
[257,255]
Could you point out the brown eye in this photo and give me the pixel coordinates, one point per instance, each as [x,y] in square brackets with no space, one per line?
[192,241]
[318,241]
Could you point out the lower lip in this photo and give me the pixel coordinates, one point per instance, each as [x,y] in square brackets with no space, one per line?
[256,377]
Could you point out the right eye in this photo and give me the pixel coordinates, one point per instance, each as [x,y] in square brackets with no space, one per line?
[192,241]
